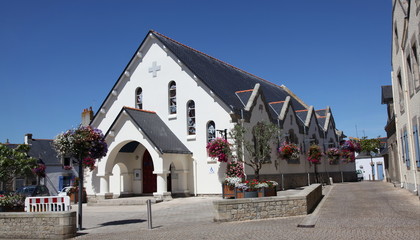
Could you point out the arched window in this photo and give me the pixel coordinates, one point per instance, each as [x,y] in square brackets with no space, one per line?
[172,97]
[211,131]
[191,117]
[139,98]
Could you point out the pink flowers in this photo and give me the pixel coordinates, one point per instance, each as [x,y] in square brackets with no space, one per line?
[314,154]
[39,170]
[235,169]
[219,148]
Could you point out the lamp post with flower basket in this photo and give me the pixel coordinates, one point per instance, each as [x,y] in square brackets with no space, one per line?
[314,156]
[85,144]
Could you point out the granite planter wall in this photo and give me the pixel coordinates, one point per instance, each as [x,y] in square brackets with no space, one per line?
[301,203]
[37,225]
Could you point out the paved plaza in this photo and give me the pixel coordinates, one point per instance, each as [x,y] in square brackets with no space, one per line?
[362,210]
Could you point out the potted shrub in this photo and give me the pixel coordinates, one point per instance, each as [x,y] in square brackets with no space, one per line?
[234,175]
[248,189]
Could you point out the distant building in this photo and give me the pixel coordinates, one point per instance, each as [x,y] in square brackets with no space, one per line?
[56,176]
[406,91]
[373,167]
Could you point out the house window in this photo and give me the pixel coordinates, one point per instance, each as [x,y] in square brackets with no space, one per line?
[172,97]
[415,68]
[400,93]
[396,38]
[191,117]
[211,131]
[139,98]
[410,76]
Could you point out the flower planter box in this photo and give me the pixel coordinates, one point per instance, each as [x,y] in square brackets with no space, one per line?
[12,209]
[267,192]
[245,194]
[229,191]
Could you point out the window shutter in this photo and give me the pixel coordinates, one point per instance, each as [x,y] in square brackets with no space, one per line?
[60,183]
[417,145]
[407,151]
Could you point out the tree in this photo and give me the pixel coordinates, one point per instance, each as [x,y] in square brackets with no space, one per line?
[15,162]
[370,147]
[259,148]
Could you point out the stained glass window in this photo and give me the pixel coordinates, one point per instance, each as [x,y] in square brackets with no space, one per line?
[172,97]
[191,117]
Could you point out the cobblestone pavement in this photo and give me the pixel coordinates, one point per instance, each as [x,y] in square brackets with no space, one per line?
[363,210]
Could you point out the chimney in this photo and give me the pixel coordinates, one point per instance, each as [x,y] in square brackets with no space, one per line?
[87,116]
[28,138]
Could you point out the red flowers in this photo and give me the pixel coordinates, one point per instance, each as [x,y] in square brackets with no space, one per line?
[219,148]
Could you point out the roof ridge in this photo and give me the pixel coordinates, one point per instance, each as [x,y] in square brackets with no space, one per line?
[140,110]
[225,63]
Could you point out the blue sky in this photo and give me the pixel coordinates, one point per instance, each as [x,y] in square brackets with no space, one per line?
[59,57]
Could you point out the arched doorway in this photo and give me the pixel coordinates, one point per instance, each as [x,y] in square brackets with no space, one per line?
[149,179]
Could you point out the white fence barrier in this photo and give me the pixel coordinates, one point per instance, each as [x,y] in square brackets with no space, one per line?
[47,204]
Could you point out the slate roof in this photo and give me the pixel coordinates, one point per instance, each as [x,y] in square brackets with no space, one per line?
[276,106]
[302,114]
[222,78]
[321,121]
[156,131]
[43,149]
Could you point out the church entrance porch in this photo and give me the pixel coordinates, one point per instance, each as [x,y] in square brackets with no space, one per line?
[141,150]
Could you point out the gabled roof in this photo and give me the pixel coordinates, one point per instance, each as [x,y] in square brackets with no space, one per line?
[40,149]
[43,149]
[155,130]
[222,78]
[302,115]
[276,106]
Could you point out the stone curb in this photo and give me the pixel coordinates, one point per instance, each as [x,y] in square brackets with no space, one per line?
[310,220]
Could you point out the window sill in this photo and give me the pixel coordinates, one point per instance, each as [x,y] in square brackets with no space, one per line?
[191,138]
[172,117]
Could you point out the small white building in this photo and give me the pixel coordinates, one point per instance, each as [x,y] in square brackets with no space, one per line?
[372,168]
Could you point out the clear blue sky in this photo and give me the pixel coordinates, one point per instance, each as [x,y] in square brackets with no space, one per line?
[59,57]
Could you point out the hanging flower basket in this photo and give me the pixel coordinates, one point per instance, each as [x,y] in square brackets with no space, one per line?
[314,154]
[347,156]
[333,155]
[84,143]
[219,148]
[289,151]
[351,145]
[39,170]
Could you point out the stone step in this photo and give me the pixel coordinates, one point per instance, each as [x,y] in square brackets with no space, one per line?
[123,201]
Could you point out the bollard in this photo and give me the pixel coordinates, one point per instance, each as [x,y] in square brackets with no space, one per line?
[149,213]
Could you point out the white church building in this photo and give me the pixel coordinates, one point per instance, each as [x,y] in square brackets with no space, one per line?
[171,100]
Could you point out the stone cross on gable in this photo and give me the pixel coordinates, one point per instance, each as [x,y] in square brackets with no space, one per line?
[154,68]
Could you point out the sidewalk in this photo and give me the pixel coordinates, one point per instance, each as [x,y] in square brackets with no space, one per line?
[362,210]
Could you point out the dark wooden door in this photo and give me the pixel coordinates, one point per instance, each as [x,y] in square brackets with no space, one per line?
[149,179]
